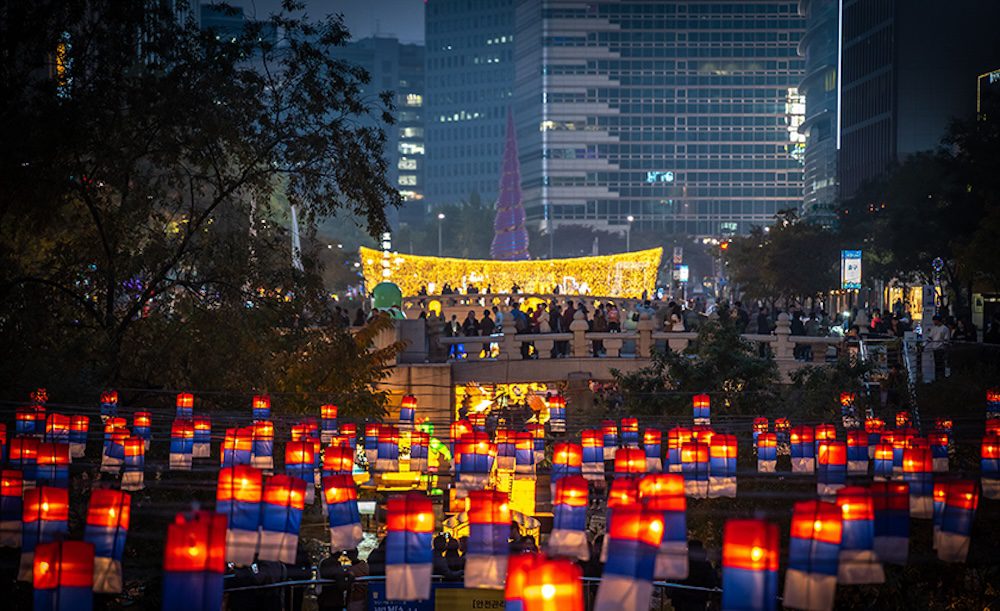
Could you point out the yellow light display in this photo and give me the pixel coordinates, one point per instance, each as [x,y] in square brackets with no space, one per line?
[621,275]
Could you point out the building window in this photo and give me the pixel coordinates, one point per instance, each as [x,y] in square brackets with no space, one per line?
[408,180]
[414,99]
[407,164]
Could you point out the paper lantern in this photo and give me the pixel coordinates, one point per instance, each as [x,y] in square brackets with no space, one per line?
[108,517]
[891,503]
[24,420]
[419,450]
[664,492]
[487,547]
[593,454]
[767,452]
[882,465]
[328,422]
[695,465]
[478,421]
[237,447]
[202,444]
[11,508]
[281,517]
[782,428]
[53,464]
[990,466]
[194,561]
[760,425]
[569,523]
[993,427]
[338,460]
[407,412]
[79,427]
[524,455]
[857,452]
[940,496]
[475,454]
[238,496]
[629,462]
[702,405]
[372,430]
[874,427]
[262,451]
[3,443]
[113,453]
[940,440]
[624,492]
[45,519]
[408,550]
[630,432]
[803,449]
[538,435]
[350,430]
[918,469]
[824,432]
[702,433]
[260,407]
[609,430]
[750,551]
[652,444]
[722,467]
[388,449]
[634,536]
[185,406]
[903,419]
[62,575]
[832,473]
[57,428]
[859,564]
[341,495]
[109,404]
[23,455]
[133,476]
[181,445]
[993,403]
[506,450]
[567,459]
[676,438]
[142,423]
[557,414]
[553,585]
[811,577]
[519,566]
[299,463]
[961,500]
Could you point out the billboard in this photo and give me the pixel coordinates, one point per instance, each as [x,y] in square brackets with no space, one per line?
[850,269]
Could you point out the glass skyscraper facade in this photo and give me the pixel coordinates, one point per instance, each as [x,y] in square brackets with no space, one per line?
[470,79]
[683,115]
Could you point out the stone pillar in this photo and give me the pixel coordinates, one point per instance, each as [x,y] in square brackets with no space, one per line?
[644,346]
[579,328]
[783,346]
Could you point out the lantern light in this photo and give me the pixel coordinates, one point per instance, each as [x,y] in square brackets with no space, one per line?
[992,404]
[767,452]
[918,469]
[108,517]
[695,464]
[903,419]
[419,450]
[262,450]
[133,470]
[260,407]
[940,440]
[832,472]
[824,432]
[407,412]
[113,452]
[634,536]
[891,503]
[593,454]
[874,427]
[328,422]
[750,565]
[957,515]
[109,404]
[372,430]
[722,466]
[760,425]
[237,447]
[487,547]
[142,423]
[630,432]
[782,428]
[609,429]
[388,449]
[629,462]
[475,454]
[857,452]
[506,450]
[299,463]
[341,495]
[569,524]
[537,432]
[185,406]
[567,459]
[202,444]
[53,464]
[57,428]
[11,508]
[181,444]
[990,466]
[859,564]
[62,576]
[24,421]
[676,438]
[408,550]
[811,577]
[194,561]
[557,413]
[238,496]
[652,443]
[281,517]
[3,443]
[702,405]
[519,566]
[23,455]
[554,585]
[79,427]
[803,450]
[45,519]
[664,492]
[882,465]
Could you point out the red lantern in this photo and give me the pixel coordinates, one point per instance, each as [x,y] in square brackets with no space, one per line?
[903,418]
[63,575]
[630,461]
[722,466]
[194,561]
[750,551]
[553,585]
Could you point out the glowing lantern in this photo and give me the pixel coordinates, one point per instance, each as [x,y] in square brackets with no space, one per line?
[109,404]
[652,444]
[832,472]
[993,403]
[372,430]
[990,466]
[859,564]
[489,527]
[702,405]
[408,550]
[185,406]
[593,454]
[57,428]
[629,462]
[474,457]
[993,427]
[940,495]
[79,427]
[903,419]
[567,459]
[676,438]
[722,466]
[388,449]
[664,492]
[702,433]
[874,427]
[630,432]
[624,492]
[260,407]
[11,508]
[803,450]
[108,517]
[194,561]
[53,464]
[181,445]
[695,465]
[327,422]
[506,450]
[918,471]
[338,460]
[262,449]
[3,442]
[569,524]
[557,413]
[237,447]
[760,425]
[341,496]
[750,565]
[133,477]
[62,575]
[961,500]
[142,423]
[939,441]
[610,432]
[538,435]
[767,452]
[407,412]
[461,428]
[900,441]
[300,463]
[24,421]
[419,449]
[238,497]
[115,434]
[857,452]
[634,536]
[281,517]
[883,462]
[824,432]
[349,430]
[24,456]
[478,421]
[891,503]
[45,519]
[782,427]
[202,444]
[811,577]
[553,585]
[519,566]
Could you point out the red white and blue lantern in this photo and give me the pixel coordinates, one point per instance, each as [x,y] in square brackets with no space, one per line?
[750,551]
[109,404]
[57,428]
[142,426]
[634,536]
[519,566]
[341,495]
[624,492]
[372,430]
[832,472]
[961,500]
[664,492]
[891,502]
[11,508]
[990,466]
[824,432]
[939,440]
[569,518]
[882,465]
[903,419]
[238,496]
[524,466]
[722,466]
[487,547]
[108,517]
[557,413]
[474,456]
[767,452]
[630,462]
[113,455]
[609,429]
[782,429]
[24,457]
[408,550]
[181,444]
[262,454]
[62,576]
[407,413]
[328,422]
[3,443]
[338,460]
[388,449]
[202,447]
[630,432]
[760,425]
[420,443]
[859,564]
[874,427]
[281,517]
[940,496]
[695,464]
[53,464]
[593,454]
[702,406]
[857,452]
[538,435]
[45,519]
[676,438]
[300,463]
[536,583]
[260,407]
[133,471]
[24,420]
[813,556]
[506,450]
[803,449]
[194,561]
[901,439]
[185,406]
[567,459]
[652,443]
[918,472]
[237,447]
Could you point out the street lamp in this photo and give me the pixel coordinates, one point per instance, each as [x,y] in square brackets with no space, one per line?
[628,233]
[440,224]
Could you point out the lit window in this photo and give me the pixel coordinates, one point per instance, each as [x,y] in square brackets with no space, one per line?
[407,164]
[408,180]
[414,99]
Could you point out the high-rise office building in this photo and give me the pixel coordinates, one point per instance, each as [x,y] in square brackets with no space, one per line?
[819,47]
[908,68]
[681,114]
[470,80]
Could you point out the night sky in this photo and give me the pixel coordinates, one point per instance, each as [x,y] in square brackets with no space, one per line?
[401,18]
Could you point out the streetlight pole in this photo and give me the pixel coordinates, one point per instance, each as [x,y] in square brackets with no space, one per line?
[628,233]
[440,224]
